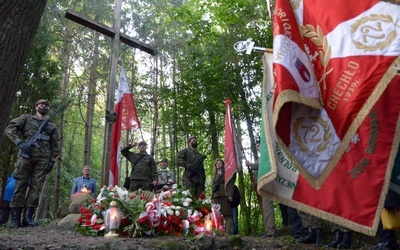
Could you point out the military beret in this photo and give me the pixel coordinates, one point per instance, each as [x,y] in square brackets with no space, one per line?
[142,143]
[164,160]
[42,101]
[192,137]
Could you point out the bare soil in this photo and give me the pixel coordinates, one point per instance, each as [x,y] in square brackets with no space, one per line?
[49,236]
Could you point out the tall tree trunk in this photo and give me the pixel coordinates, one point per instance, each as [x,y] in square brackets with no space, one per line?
[67,50]
[19,21]
[155,101]
[87,149]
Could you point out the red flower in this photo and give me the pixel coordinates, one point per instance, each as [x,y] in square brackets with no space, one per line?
[202,196]
[80,219]
[83,210]
[87,222]
[125,222]
[167,203]
[97,227]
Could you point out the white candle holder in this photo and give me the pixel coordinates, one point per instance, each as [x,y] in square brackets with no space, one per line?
[112,220]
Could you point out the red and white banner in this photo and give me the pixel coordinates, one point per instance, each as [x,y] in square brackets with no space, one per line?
[229,149]
[331,65]
[335,108]
[127,118]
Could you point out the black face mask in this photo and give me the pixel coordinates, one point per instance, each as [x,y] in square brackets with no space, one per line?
[43,110]
[194,144]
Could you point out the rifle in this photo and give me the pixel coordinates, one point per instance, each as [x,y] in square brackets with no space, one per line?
[38,136]
[194,171]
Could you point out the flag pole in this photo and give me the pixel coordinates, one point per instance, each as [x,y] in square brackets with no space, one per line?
[253,187]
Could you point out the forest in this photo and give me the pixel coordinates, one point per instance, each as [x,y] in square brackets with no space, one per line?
[178,92]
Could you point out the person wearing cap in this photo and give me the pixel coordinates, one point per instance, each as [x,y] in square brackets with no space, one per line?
[144,169]
[34,161]
[165,176]
[192,161]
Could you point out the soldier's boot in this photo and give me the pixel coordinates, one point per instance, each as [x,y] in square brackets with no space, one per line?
[319,237]
[336,240]
[28,220]
[346,240]
[16,217]
[310,237]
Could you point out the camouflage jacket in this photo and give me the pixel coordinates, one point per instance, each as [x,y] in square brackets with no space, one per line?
[187,158]
[26,126]
[165,176]
[143,165]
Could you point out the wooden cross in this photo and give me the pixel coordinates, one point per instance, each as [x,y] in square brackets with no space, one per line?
[116,36]
[107,31]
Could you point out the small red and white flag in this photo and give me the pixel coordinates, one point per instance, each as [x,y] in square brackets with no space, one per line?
[127,118]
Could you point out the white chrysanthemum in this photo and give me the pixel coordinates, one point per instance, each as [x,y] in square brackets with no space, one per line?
[177,213]
[162,210]
[172,207]
[170,212]
[188,200]
[189,211]
[186,193]
[174,186]
[178,207]
[185,204]
[176,200]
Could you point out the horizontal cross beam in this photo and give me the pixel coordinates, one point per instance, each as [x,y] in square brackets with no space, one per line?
[107,31]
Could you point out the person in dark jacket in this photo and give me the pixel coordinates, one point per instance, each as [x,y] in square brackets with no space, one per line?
[234,210]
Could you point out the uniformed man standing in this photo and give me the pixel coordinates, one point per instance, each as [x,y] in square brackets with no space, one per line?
[165,176]
[144,168]
[194,174]
[33,163]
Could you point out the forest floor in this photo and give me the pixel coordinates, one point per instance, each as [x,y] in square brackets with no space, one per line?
[49,236]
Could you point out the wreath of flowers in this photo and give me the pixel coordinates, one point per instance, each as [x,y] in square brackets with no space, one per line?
[172,212]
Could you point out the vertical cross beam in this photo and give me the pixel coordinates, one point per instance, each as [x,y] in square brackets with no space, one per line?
[117,37]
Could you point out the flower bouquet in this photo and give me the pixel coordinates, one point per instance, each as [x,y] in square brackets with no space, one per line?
[171,212]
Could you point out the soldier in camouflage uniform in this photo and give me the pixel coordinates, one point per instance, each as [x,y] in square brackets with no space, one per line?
[34,168]
[194,174]
[165,176]
[144,168]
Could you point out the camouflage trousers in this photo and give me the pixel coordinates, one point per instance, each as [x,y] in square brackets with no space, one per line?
[140,184]
[309,220]
[29,175]
[197,188]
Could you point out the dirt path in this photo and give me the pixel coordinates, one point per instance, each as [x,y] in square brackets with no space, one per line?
[50,236]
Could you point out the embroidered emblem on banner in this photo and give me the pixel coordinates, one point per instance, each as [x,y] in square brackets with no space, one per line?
[316,132]
[374,32]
